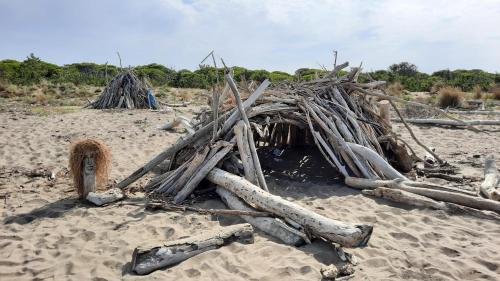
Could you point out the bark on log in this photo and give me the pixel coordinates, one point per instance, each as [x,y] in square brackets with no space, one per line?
[491,178]
[271,226]
[103,198]
[446,196]
[349,235]
[146,260]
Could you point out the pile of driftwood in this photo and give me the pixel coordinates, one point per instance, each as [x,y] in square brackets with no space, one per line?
[333,113]
[125,90]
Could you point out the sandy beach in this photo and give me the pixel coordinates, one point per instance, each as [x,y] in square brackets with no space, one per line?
[48,234]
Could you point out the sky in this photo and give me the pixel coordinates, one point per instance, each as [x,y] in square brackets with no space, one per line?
[274,34]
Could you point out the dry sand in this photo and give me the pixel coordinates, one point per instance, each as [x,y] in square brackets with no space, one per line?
[47,234]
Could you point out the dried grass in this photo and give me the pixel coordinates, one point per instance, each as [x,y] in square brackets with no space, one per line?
[102,157]
[450,97]
[395,89]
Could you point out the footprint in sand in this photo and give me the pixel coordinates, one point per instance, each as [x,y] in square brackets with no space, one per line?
[450,252]
[402,235]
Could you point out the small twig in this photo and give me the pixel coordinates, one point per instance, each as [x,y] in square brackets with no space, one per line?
[169,207]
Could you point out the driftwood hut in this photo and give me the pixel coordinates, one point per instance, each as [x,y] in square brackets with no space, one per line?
[125,90]
[335,114]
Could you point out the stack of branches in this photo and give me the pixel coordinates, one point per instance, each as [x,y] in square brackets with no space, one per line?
[341,122]
[329,112]
[125,90]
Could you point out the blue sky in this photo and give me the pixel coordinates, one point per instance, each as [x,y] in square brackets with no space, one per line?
[275,34]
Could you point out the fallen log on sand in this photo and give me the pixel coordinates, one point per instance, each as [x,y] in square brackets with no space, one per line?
[491,178]
[146,260]
[271,226]
[401,196]
[441,195]
[453,123]
[475,112]
[345,234]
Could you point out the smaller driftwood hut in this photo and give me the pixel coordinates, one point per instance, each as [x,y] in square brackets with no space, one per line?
[125,90]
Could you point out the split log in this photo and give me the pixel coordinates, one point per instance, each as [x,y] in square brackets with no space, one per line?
[447,196]
[146,259]
[345,234]
[491,179]
[452,123]
[401,196]
[271,226]
[103,198]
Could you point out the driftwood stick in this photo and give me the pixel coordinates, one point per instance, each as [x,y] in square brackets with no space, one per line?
[413,135]
[376,161]
[240,131]
[180,144]
[148,259]
[271,226]
[475,112]
[200,175]
[190,170]
[170,207]
[350,235]
[453,123]
[393,98]
[491,179]
[251,142]
[233,118]
[447,196]
[401,196]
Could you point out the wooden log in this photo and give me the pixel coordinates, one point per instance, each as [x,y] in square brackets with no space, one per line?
[240,131]
[201,173]
[148,259]
[271,226]
[251,142]
[446,196]
[491,179]
[401,196]
[346,234]
[384,111]
[475,112]
[103,198]
[376,161]
[88,174]
[452,123]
